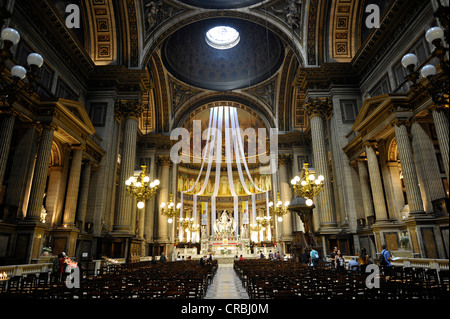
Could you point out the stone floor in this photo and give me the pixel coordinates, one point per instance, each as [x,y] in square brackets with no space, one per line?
[226,285]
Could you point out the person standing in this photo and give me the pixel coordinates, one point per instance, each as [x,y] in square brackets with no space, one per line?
[305,256]
[314,257]
[363,260]
[333,257]
[385,260]
[385,257]
[340,262]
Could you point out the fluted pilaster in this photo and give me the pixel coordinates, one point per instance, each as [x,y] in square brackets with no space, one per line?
[408,168]
[6,131]
[376,184]
[40,174]
[84,192]
[365,189]
[442,132]
[318,109]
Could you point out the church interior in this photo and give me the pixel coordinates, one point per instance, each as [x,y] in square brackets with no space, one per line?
[134,132]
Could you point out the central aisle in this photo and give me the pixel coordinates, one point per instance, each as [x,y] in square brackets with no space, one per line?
[226,285]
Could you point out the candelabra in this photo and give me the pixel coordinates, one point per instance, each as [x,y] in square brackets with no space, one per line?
[309,186]
[141,188]
[171,211]
[437,84]
[279,210]
[11,85]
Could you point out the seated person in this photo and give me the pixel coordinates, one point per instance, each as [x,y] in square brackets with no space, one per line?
[353,264]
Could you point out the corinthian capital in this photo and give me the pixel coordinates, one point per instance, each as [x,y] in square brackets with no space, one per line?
[285,159]
[164,160]
[319,107]
[129,108]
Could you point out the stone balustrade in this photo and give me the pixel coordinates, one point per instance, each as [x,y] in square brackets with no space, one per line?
[23,270]
[438,264]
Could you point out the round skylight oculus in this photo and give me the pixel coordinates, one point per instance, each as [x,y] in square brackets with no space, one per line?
[222,37]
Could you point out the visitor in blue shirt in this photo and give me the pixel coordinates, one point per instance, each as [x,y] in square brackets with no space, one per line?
[353,264]
[385,257]
[314,257]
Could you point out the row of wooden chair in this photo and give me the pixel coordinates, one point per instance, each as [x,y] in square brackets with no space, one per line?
[267,280]
[145,280]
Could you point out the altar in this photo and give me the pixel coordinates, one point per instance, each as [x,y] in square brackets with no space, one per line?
[224,243]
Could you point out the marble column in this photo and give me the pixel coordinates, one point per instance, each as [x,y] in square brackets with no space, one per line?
[141,221]
[40,174]
[427,166]
[6,131]
[84,192]
[376,184]
[317,110]
[408,168]
[58,210]
[284,161]
[23,157]
[73,186]
[150,208]
[365,189]
[440,118]
[122,218]
[163,228]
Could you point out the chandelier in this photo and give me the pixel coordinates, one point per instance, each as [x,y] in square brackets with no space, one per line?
[279,210]
[171,211]
[260,223]
[188,223]
[141,188]
[308,187]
